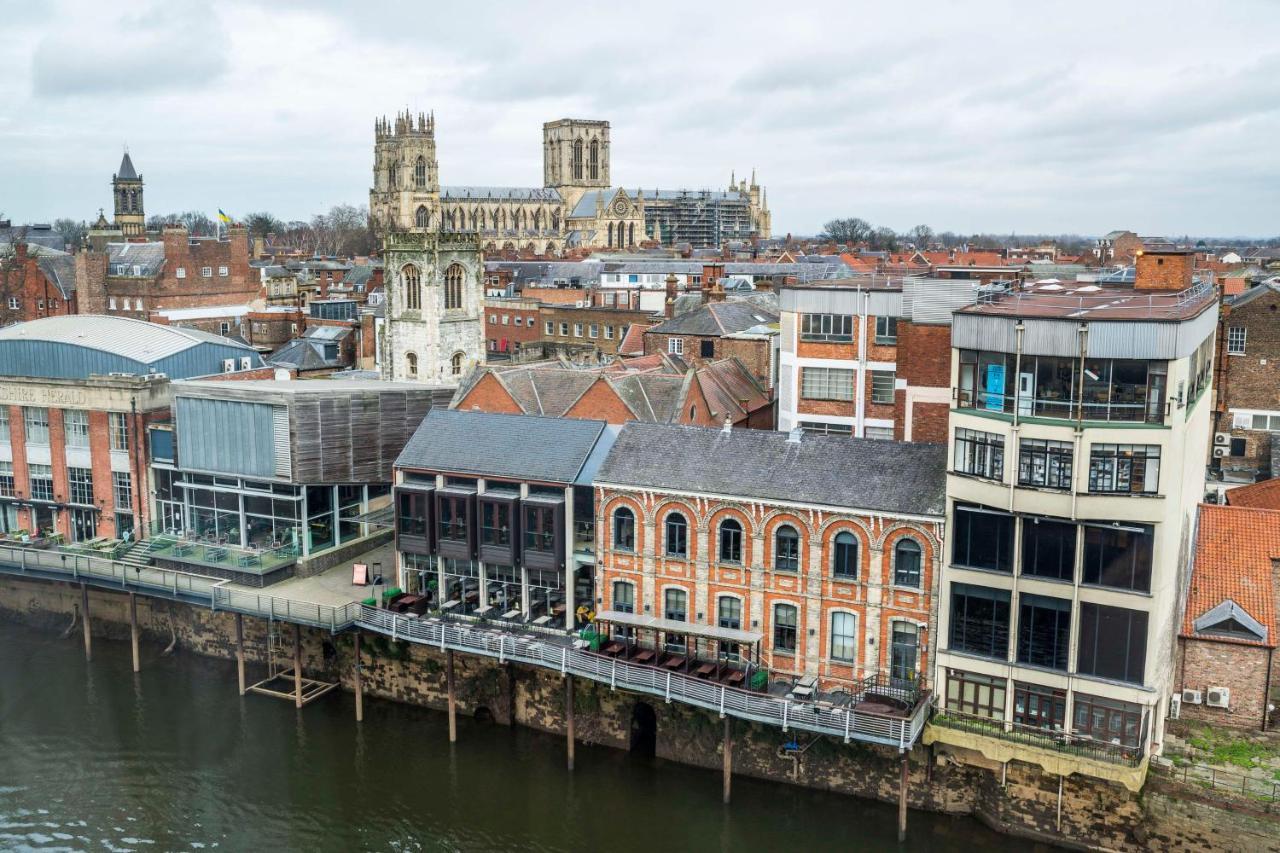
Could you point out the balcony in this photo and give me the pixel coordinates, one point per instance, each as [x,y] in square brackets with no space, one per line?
[1123,409]
[251,566]
[1057,752]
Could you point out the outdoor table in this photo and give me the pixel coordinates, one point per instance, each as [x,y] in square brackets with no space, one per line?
[612,650]
[643,656]
[736,677]
[450,604]
[705,670]
[511,614]
[542,620]
[674,662]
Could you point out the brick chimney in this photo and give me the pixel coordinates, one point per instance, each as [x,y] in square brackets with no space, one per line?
[669,307]
[1164,269]
[711,275]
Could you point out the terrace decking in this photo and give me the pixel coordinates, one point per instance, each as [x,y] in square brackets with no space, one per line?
[252,567]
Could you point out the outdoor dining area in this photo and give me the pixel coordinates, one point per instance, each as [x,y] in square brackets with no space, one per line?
[728,656]
[213,551]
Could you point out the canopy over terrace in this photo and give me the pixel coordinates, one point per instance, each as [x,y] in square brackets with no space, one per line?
[680,646]
[673,626]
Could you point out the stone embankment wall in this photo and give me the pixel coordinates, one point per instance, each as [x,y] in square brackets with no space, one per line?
[1018,799]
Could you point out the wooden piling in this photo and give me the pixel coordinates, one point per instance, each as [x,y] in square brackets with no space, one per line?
[297,665]
[568,717]
[133,630]
[902,799]
[240,652]
[728,756]
[84,617]
[359,683]
[453,710]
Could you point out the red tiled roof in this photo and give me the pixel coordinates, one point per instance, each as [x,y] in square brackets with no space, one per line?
[1264,495]
[633,342]
[1235,547]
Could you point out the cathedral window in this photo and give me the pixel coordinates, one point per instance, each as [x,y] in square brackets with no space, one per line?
[631,234]
[555,220]
[393,176]
[420,172]
[412,287]
[482,225]
[423,217]
[610,235]
[455,364]
[537,220]
[595,159]
[453,286]
[411,363]
[577,160]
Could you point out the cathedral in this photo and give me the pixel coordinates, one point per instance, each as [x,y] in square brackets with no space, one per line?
[576,207]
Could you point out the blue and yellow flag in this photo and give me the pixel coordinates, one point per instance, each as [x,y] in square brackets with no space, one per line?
[222,217]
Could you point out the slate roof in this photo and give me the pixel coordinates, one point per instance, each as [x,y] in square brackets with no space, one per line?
[856,473]
[148,256]
[1235,547]
[518,447]
[478,193]
[127,172]
[715,318]
[60,269]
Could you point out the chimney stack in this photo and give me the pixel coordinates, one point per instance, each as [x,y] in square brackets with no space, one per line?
[1168,270]
[670,305]
[711,275]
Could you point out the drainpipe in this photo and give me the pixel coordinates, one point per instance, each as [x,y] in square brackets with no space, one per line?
[1266,690]
[1073,642]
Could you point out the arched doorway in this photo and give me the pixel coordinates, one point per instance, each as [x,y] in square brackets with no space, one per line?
[644,730]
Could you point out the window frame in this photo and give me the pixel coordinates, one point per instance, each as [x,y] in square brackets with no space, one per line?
[851,550]
[735,541]
[1046,463]
[826,328]
[1111,465]
[786,557]
[848,646]
[827,383]
[978,454]
[1237,344]
[890,334]
[786,633]
[623,529]
[672,522]
[879,395]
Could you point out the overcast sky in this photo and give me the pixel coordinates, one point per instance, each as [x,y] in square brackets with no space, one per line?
[1163,118]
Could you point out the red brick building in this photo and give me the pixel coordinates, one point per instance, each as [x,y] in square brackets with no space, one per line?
[1227,668]
[509,324]
[35,282]
[602,329]
[720,329]
[1248,383]
[825,547]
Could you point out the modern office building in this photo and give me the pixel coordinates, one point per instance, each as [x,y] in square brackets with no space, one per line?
[1079,426]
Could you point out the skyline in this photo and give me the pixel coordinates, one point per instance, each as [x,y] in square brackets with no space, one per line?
[974,121]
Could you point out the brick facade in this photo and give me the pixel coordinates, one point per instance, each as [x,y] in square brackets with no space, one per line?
[872,597]
[1247,670]
[611,325]
[756,354]
[1249,380]
[26,292]
[510,324]
[924,362]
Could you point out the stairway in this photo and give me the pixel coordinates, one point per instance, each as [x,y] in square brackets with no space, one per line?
[137,554]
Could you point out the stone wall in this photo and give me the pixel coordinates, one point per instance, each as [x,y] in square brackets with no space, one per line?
[1017,799]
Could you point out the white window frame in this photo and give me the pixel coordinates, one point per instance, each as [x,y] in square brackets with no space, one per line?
[206,272]
[675,346]
[224,271]
[1236,344]
[180,272]
[551,327]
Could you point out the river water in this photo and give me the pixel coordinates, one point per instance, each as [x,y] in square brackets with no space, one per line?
[94,757]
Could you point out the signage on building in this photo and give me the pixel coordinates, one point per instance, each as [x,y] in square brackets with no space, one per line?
[56,396]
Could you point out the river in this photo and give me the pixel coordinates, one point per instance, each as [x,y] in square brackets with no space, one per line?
[95,757]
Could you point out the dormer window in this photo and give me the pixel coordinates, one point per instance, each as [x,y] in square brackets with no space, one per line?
[1231,620]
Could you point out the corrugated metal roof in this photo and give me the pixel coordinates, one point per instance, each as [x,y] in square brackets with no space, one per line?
[122,336]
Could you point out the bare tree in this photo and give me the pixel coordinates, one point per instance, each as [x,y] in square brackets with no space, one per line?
[71,231]
[883,239]
[848,231]
[263,224]
[920,236]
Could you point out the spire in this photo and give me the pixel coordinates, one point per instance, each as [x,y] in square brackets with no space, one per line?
[733,178]
[753,177]
[127,172]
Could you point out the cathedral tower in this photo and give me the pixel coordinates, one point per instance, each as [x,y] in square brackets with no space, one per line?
[575,157]
[434,280]
[126,187]
[406,181]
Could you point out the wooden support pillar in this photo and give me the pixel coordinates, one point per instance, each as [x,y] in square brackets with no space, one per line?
[728,756]
[902,799]
[359,684]
[297,666]
[1060,778]
[240,652]
[84,617]
[568,718]
[133,630]
[453,709]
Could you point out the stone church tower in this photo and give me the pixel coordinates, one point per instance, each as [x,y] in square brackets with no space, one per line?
[575,157]
[434,281]
[126,187]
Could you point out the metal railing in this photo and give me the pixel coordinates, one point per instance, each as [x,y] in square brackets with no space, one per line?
[274,607]
[1140,411]
[1217,779]
[814,716]
[1055,741]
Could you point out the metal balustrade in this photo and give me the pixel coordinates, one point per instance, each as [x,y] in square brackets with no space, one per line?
[817,717]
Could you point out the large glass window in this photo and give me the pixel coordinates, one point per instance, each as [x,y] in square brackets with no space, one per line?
[624,529]
[624,597]
[119,430]
[350,508]
[826,383]
[784,628]
[1124,468]
[75,425]
[35,422]
[882,382]
[7,485]
[971,693]
[982,539]
[453,518]
[1043,463]
[904,651]
[844,640]
[786,549]
[906,563]
[1048,548]
[412,516]
[1039,707]
[122,490]
[886,330]
[1118,556]
[676,608]
[1054,387]
[844,556]
[826,327]
[979,453]
[81,482]
[41,477]
[1108,720]
[495,523]
[539,528]
[730,541]
[676,535]
[1113,642]
[1044,628]
[979,621]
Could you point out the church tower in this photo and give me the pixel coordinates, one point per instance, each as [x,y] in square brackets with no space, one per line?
[575,157]
[434,280]
[126,187]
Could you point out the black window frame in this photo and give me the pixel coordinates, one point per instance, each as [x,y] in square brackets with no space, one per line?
[1045,463]
[675,531]
[908,564]
[1101,630]
[830,328]
[1098,569]
[1115,469]
[964,544]
[786,554]
[978,454]
[1044,631]
[624,529]
[496,533]
[1049,548]
[844,556]
[969,623]
[886,330]
[785,633]
[731,537]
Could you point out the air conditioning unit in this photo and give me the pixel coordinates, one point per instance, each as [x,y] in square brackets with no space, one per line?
[1221,452]
[1175,707]
[1219,697]
[1191,697]
[1222,439]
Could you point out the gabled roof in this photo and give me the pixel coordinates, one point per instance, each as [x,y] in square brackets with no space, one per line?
[1253,293]
[1234,555]
[716,318]
[854,473]
[730,389]
[633,342]
[482,193]
[148,257]
[1261,495]
[60,269]
[517,447]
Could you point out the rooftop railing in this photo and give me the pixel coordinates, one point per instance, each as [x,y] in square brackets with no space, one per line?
[1055,741]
